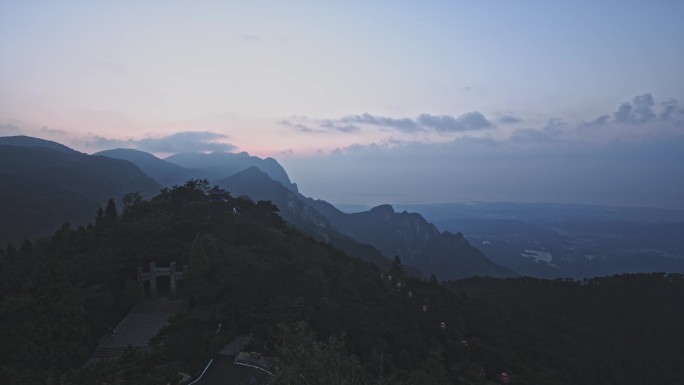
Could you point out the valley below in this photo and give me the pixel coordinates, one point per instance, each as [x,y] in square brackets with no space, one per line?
[574,241]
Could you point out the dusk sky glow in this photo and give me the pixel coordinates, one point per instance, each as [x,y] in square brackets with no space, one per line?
[418,101]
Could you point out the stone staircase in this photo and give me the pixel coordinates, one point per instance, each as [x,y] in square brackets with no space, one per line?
[143,322]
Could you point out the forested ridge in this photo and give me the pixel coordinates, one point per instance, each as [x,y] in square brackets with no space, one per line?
[328,317]
[43,184]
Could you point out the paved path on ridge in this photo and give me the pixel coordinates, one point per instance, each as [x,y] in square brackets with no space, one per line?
[143,322]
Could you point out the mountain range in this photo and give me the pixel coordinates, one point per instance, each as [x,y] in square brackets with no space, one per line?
[44,184]
[69,186]
[418,242]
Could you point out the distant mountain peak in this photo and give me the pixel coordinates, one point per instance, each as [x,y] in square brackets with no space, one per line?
[219,165]
[418,242]
[252,172]
[164,172]
[384,209]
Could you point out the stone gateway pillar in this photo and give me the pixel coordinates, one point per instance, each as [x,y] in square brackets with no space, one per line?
[153,280]
[172,275]
[142,277]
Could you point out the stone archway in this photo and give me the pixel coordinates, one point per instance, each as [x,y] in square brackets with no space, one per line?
[155,272]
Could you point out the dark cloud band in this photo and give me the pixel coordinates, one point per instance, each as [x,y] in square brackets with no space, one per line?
[470,121]
[188,141]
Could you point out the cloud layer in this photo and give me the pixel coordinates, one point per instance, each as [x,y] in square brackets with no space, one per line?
[470,121]
[9,130]
[188,141]
[639,119]
[644,173]
[631,156]
[401,124]
[636,119]
[644,110]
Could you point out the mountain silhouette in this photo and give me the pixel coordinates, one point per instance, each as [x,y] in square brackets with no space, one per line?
[164,172]
[44,184]
[418,242]
[67,185]
[218,165]
[257,185]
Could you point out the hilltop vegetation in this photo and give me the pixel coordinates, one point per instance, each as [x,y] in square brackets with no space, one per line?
[318,309]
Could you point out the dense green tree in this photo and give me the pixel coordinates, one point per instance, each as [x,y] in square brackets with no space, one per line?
[110,212]
[99,216]
[10,250]
[132,368]
[130,200]
[303,360]
[396,270]
[26,247]
[43,327]
[198,287]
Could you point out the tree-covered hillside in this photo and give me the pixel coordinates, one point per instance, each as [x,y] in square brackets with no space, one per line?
[328,317]
[419,242]
[43,184]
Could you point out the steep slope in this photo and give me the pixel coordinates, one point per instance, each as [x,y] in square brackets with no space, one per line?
[257,185]
[418,242]
[409,236]
[218,165]
[164,172]
[41,188]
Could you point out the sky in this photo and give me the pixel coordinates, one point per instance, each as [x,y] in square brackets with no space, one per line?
[369,102]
